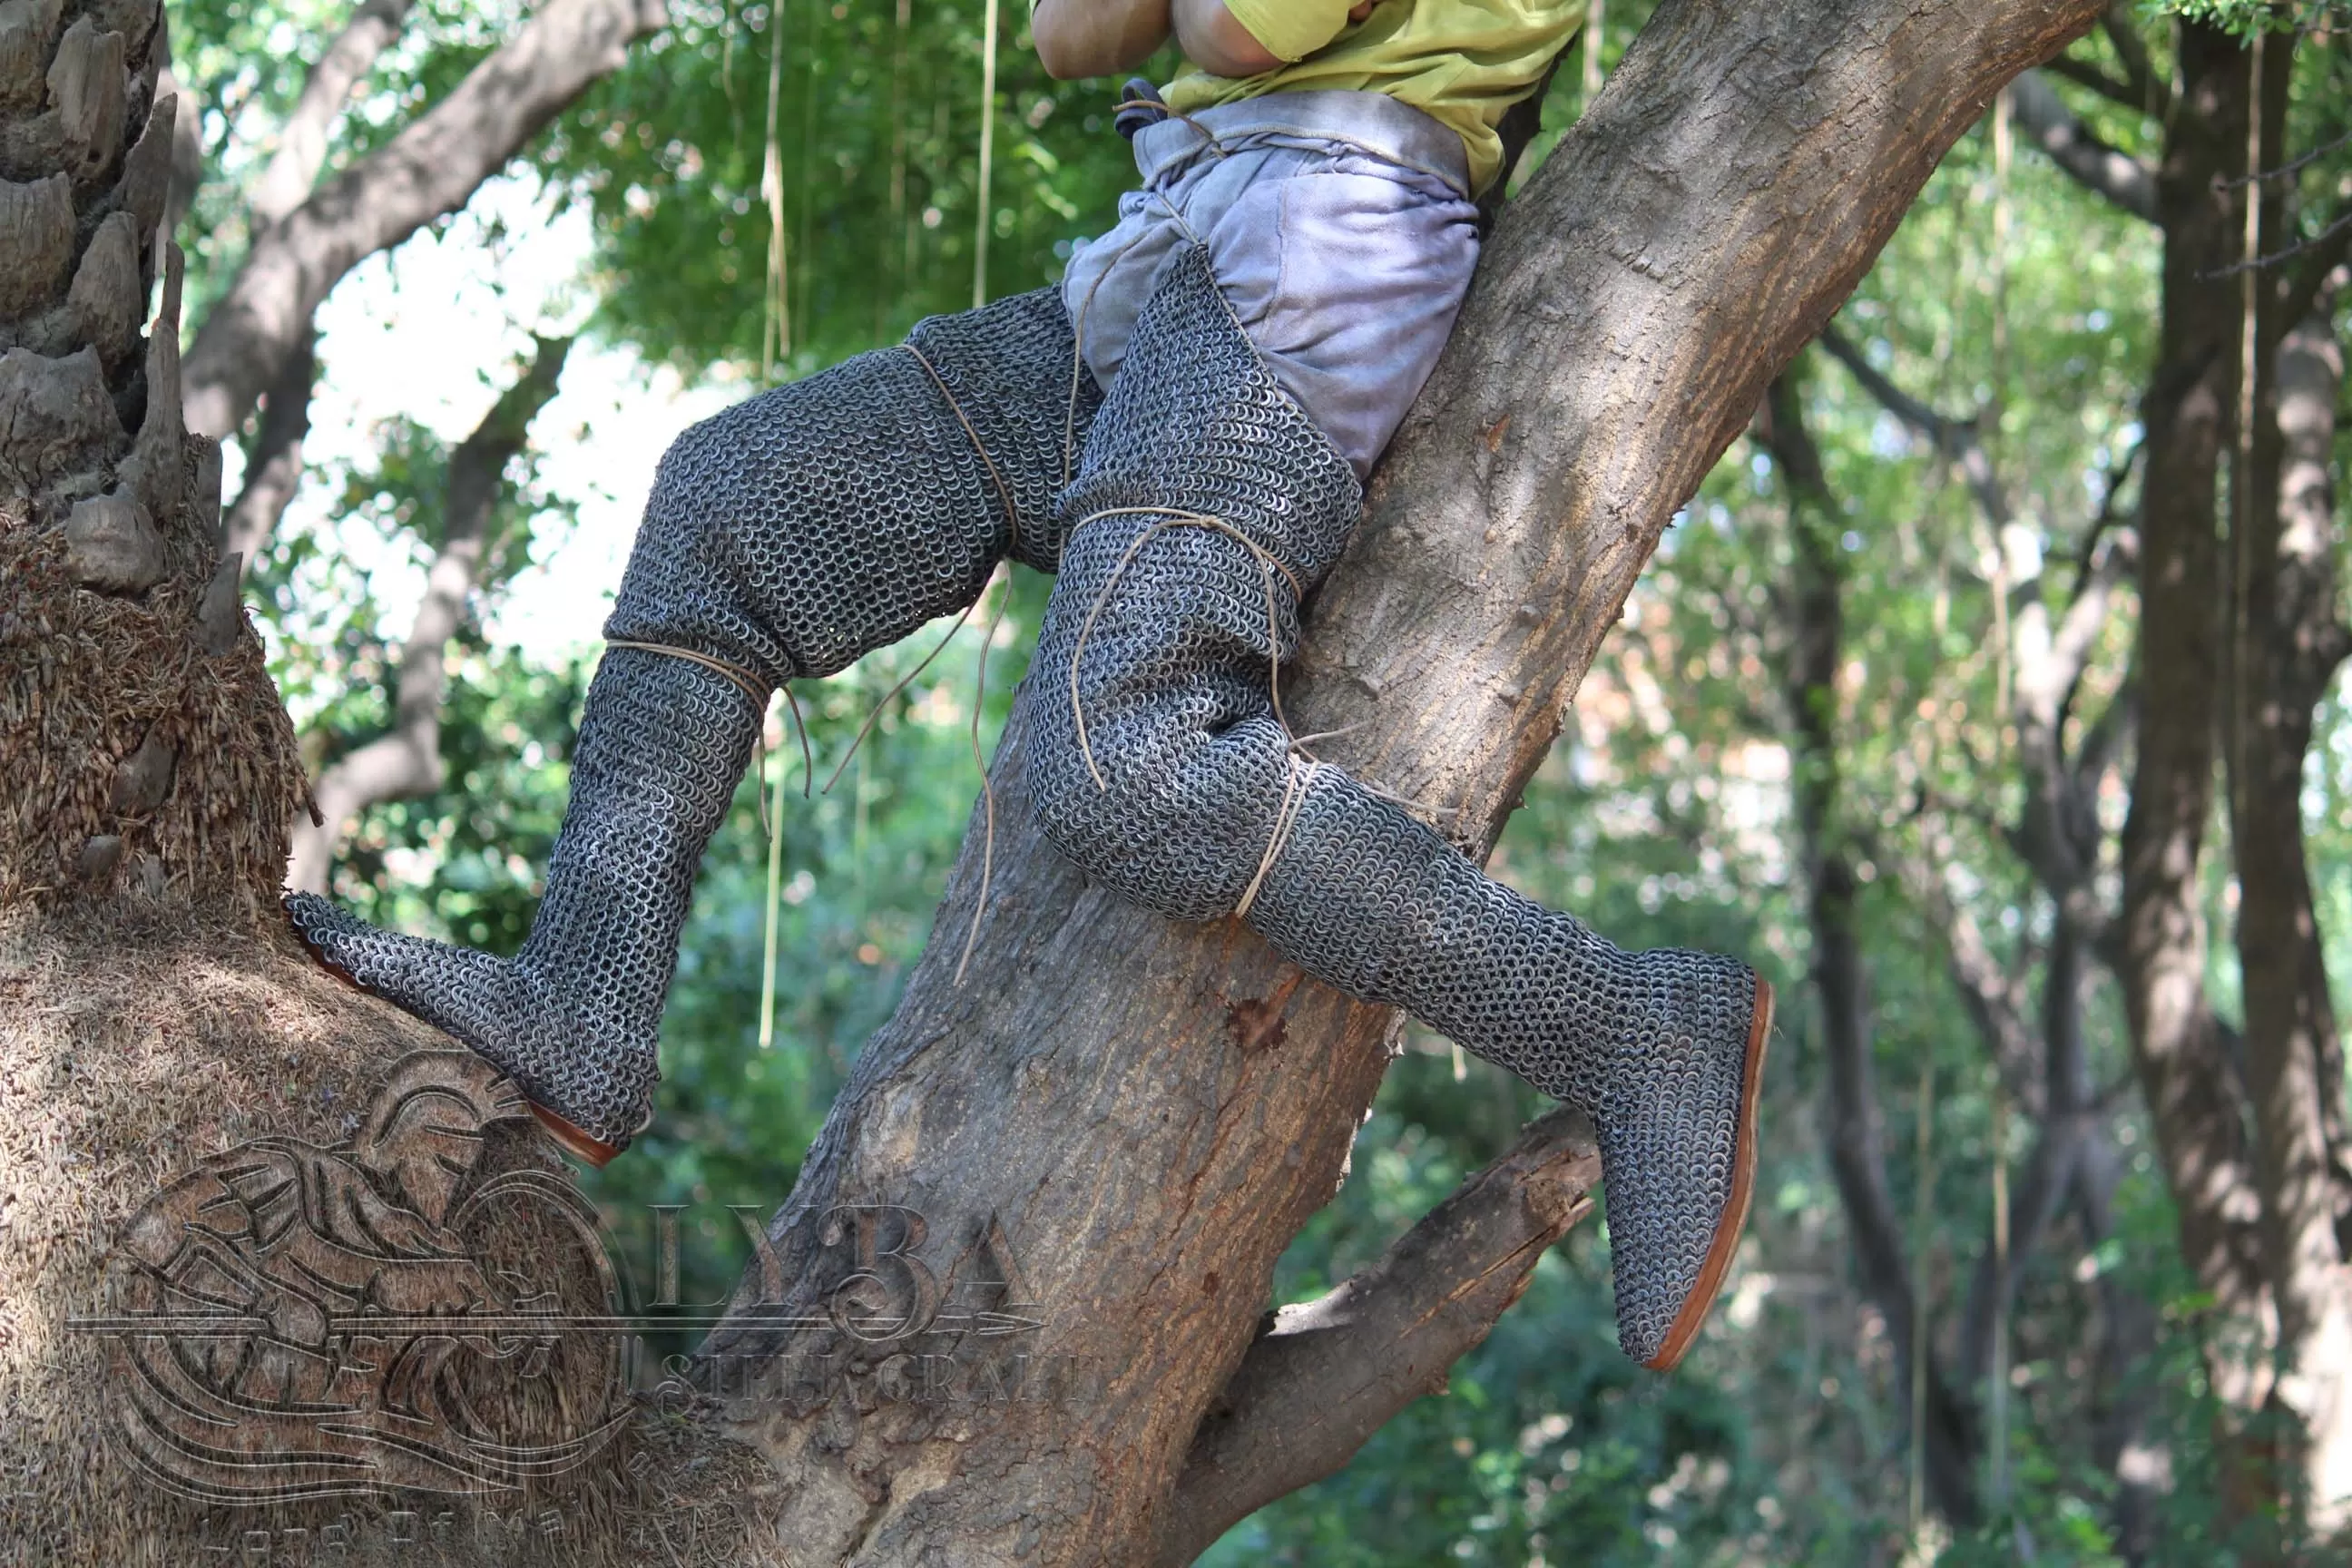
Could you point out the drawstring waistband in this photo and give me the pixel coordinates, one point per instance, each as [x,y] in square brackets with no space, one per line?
[1372,122]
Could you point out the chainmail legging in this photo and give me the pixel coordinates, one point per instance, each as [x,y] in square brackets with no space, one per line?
[1207,504]
[799,531]
[795,532]
[784,537]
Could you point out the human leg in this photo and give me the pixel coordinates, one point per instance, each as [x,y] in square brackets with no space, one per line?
[1207,502]
[784,538]
[1338,229]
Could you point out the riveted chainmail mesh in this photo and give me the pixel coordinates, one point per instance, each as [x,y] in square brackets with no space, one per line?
[801,528]
[1653,1046]
[1172,688]
[786,536]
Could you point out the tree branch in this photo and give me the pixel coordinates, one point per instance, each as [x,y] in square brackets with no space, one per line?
[430,168]
[2322,270]
[1855,1136]
[1954,439]
[2151,93]
[2050,125]
[2048,662]
[1324,1376]
[2066,1123]
[407,759]
[273,463]
[2196,1104]
[294,168]
[1988,993]
[2081,73]
[1587,391]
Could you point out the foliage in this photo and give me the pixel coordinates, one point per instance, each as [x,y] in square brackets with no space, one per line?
[2244,17]
[879,112]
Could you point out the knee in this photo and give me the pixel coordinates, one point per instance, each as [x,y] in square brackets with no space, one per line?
[1072,797]
[1162,811]
[709,470]
[1124,832]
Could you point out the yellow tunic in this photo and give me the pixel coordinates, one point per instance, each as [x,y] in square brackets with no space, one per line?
[1463,62]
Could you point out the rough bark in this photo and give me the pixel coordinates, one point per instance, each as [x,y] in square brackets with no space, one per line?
[407,760]
[1588,389]
[2289,644]
[1123,1120]
[142,743]
[1383,1339]
[432,167]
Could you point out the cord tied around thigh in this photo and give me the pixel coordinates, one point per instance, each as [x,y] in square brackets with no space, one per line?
[752,687]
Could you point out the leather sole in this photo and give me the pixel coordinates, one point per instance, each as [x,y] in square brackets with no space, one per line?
[1687,1322]
[575,1142]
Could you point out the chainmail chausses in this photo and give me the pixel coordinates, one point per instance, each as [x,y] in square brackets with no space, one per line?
[1168,631]
[1180,619]
[1653,1046]
[786,536]
[800,530]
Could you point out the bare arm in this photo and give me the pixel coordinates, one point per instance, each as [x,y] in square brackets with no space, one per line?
[1078,39]
[1215,42]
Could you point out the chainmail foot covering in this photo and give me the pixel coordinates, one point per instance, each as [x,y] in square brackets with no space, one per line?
[1653,1045]
[785,537]
[1168,631]
[802,529]
[573,1016]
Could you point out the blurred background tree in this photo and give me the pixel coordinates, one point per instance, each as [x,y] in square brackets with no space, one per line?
[1878,717]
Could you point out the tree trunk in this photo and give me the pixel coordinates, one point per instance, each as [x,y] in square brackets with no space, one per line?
[2289,645]
[1589,387]
[1106,1136]
[1812,598]
[2194,1100]
[143,743]
[2058,835]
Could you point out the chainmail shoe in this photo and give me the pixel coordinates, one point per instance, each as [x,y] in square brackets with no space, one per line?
[1207,505]
[572,1018]
[785,537]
